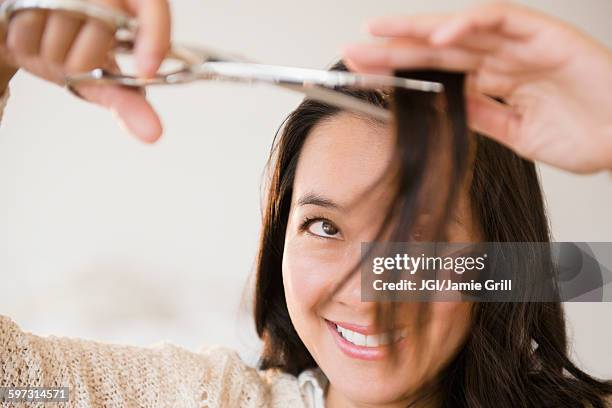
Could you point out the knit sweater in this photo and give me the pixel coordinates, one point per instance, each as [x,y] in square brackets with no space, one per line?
[164,375]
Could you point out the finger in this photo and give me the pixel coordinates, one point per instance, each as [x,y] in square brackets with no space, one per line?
[25,32]
[499,54]
[422,27]
[479,41]
[407,54]
[507,19]
[130,107]
[90,48]
[461,25]
[417,26]
[153,40]
[355,67]
[493,119]
[60,32]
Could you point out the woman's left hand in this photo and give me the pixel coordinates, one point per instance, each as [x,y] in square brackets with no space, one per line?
[555,80]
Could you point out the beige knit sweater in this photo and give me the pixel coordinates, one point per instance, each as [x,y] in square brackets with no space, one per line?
[108,375]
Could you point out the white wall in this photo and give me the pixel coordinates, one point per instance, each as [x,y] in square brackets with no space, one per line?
[105,238]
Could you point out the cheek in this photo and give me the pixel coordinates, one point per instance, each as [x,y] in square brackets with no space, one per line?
[308,273]
[433,343]
[449,328]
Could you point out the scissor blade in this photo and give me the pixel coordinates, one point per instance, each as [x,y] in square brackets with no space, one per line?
[278,74]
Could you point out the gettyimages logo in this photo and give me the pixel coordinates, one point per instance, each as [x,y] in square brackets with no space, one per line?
[412,264]
[487,271]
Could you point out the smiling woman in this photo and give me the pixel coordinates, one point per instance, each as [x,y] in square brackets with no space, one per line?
[338,180]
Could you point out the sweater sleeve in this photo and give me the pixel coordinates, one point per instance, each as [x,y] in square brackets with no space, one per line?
[164,375]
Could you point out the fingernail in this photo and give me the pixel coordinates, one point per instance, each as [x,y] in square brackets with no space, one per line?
[136,128]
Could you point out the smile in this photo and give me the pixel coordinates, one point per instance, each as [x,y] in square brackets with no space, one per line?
[370,340]
[362,342]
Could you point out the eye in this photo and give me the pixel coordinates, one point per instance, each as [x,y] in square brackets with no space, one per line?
[322,228]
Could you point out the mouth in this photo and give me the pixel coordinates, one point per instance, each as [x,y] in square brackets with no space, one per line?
[362,342]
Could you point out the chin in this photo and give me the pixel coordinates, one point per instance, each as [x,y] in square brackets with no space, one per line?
[369,382]
[369,387]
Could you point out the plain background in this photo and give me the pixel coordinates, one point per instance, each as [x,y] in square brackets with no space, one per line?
[105,238]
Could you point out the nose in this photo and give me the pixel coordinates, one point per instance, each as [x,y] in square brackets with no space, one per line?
[348,293]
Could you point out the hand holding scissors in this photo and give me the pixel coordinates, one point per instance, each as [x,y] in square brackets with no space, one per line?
[84,59]
[51,44]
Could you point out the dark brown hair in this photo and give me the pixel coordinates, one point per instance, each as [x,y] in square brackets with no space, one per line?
[516,354]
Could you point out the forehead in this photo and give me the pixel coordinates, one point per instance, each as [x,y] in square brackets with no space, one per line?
[343,156]
[344,160]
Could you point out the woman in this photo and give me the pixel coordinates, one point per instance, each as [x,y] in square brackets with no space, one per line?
[308,310]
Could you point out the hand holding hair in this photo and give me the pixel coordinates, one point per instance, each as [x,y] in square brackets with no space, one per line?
[52,44]
[556,82]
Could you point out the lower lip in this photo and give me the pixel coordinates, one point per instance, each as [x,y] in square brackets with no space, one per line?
[361,352]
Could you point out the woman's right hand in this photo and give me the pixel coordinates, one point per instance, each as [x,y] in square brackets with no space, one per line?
[51,44]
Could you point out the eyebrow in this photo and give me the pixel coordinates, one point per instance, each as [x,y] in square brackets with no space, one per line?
[321,201]
[315,199]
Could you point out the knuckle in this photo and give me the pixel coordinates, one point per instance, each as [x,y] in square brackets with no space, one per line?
[16,44]
[12,41]
[75,65]
[23,26]
[27,19]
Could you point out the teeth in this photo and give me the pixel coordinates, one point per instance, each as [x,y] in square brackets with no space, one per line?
[347,334]
[359,339]
[371,340]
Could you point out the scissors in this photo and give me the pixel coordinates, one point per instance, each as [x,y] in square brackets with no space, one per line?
[207,64]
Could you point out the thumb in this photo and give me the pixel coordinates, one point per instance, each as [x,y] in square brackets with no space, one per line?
[130,106]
